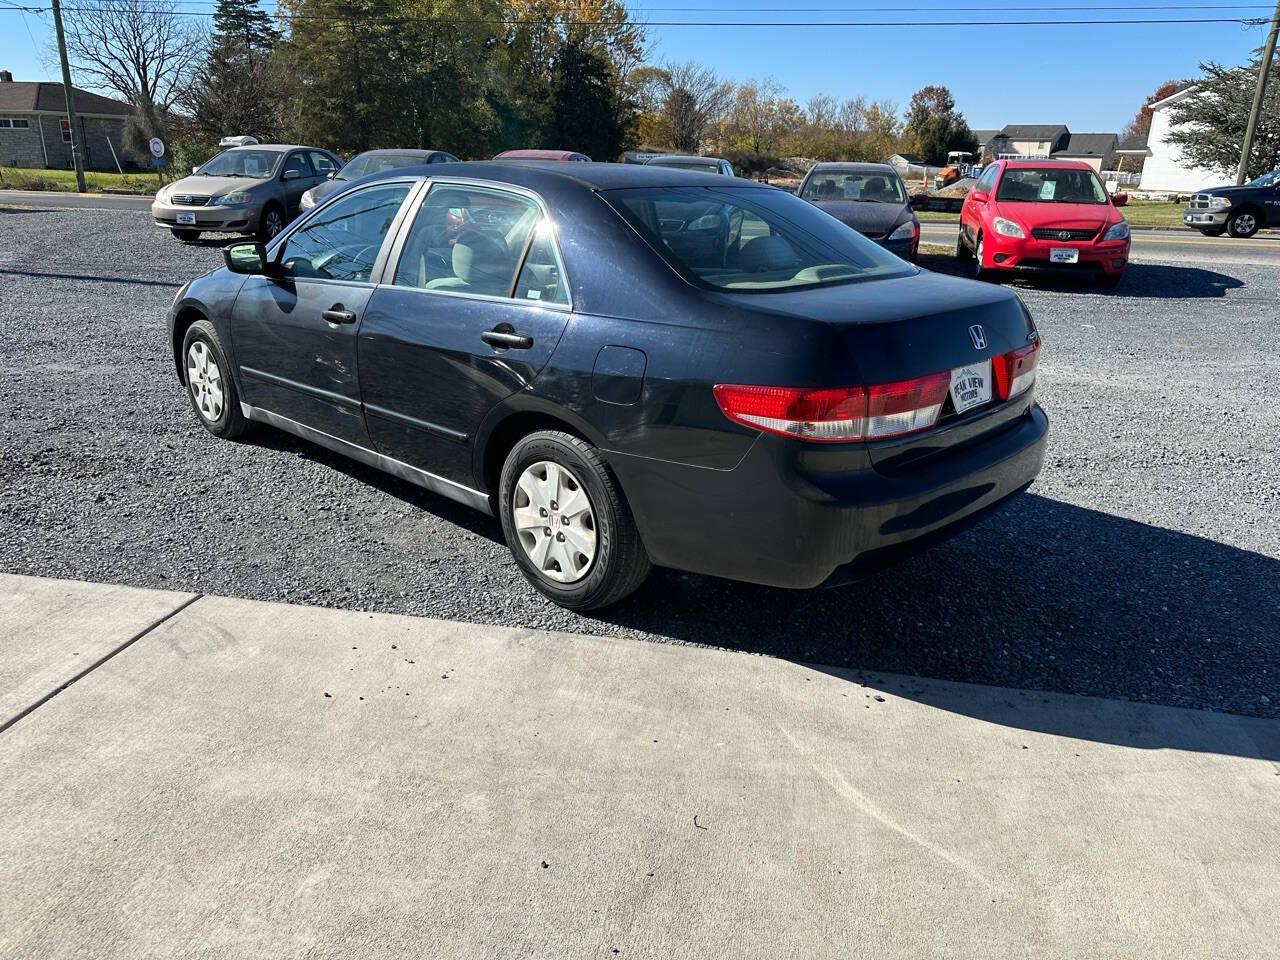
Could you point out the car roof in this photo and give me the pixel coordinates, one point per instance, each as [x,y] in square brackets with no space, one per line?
[852,167]
[277,146]
[560,155]
[683,158]
[547,175]
[1064,164]
[400,152]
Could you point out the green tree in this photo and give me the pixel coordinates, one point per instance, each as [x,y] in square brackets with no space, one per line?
[935,127]
[237,90]
[588,110]
[1208,125]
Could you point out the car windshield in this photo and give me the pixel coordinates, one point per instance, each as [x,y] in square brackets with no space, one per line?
[1271,179]
[864,187]
[709,166]
[368,163]
[751,239]
[1050,185]
[255,164]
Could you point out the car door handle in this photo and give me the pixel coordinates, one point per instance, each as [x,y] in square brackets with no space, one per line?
[339,314]
[505,336]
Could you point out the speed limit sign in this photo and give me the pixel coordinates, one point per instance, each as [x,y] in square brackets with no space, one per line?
[157,147]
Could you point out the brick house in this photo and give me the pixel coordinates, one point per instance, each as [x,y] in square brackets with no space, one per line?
[34,131]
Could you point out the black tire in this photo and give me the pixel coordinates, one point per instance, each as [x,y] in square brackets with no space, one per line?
[620,563]
[186,236]
[1243,224]
[1213,231]
[272,222]
[1109,280]
[229,421]
[979,271]
[963,253]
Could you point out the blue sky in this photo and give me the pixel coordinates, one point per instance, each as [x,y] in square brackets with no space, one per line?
[1090,77]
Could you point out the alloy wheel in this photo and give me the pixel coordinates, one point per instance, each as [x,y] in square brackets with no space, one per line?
[1244,224]
[555,521]
[204,379]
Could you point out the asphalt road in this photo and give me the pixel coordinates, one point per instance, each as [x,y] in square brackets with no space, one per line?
[1143,564]
[60,200]
[1176,245]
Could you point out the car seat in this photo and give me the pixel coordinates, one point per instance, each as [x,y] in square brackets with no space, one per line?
[481,264]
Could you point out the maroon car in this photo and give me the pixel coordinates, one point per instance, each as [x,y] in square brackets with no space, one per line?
[543,155]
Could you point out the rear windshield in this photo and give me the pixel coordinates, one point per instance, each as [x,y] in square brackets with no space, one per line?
[865,187]
[707,166]
[366,164]
[751,238]
[255,164]
[1050,185]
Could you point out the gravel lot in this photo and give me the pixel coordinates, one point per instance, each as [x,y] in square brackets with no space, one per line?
[1144,564]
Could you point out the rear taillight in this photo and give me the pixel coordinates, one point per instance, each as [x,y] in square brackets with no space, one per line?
[837,414]
[1015,371]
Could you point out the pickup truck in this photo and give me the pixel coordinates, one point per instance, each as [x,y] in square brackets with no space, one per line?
[1239,211]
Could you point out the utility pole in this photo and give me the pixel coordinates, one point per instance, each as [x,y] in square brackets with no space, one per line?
[1264,68]
[76,158]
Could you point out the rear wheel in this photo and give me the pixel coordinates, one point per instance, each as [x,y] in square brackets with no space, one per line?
[186,236]
[567,523]
[1243,224]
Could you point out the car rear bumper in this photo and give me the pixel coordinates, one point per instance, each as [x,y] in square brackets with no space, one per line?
[1033,256]
[230,219]
[804,515]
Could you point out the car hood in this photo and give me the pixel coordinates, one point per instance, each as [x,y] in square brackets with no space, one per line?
[327,188]
[213,186]
[873,219]
[1230,188]
[1067,216]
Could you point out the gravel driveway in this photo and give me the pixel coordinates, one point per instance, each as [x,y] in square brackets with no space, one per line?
[1144,563]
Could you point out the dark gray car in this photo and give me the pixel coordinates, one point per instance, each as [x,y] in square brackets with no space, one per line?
[252,189]
[369,162]
[871,198]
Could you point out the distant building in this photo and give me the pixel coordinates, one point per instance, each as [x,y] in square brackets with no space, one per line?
[900,160]
[1029,139]
[1131,154]
[984,138]
[1166,170]
[34,131]
[1095,149]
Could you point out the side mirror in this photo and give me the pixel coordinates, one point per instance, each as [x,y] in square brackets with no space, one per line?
[290,175]
[1120,199]
[248,258]
[920,201]
[979,196]
[331,174]
[195,169]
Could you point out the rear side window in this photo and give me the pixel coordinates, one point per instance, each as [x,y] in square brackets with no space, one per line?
[342,241]
[467,240]
[323,163]
[751,239]
[541,277]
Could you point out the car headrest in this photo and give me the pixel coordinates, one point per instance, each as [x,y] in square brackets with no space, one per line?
[481,261]
[762,254]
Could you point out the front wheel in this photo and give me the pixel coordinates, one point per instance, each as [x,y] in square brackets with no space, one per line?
[980,272]
[567,523]
[1109,280]
[210,388]
[186,236]
[272,223]
[1243,225]
[963,253]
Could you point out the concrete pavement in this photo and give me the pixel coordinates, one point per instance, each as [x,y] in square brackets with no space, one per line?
[249,779]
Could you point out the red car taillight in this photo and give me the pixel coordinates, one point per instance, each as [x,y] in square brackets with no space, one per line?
[1015,371]
[837,414]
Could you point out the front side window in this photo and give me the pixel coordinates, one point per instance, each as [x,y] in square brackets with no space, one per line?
[253,164]
[342,241]
[863,187]
[467,240]
[751,239]
[1050,185]
[298,163]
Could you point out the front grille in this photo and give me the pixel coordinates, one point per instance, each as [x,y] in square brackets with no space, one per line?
[189,200]
[1050,233]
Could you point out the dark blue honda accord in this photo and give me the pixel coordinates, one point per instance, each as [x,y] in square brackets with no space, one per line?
[629,365]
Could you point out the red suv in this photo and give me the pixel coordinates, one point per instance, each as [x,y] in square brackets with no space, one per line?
[1043,216]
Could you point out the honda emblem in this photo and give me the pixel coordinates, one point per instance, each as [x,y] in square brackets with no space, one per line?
[978,337]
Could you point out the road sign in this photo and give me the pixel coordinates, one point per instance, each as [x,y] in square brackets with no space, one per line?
[157,147]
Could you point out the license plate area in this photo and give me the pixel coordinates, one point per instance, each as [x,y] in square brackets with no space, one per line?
[187,218]
[1064,255]
[971,385]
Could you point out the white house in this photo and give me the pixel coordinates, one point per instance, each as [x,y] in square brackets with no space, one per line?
[1166,170]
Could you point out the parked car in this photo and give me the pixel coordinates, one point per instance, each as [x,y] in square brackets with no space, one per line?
[1043,216]
[543,155]
[371,161]
[1240,211]
[871,198]
[679,161]
[249,189]
[629,366]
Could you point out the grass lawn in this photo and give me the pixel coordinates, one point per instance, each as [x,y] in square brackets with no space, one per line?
[1139,213]
[18,178]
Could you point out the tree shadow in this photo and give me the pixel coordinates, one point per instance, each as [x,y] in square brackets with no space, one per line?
[94,278]
[1141,280]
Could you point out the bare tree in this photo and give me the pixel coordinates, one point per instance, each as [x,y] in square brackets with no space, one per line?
[145,52]
[696,101]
